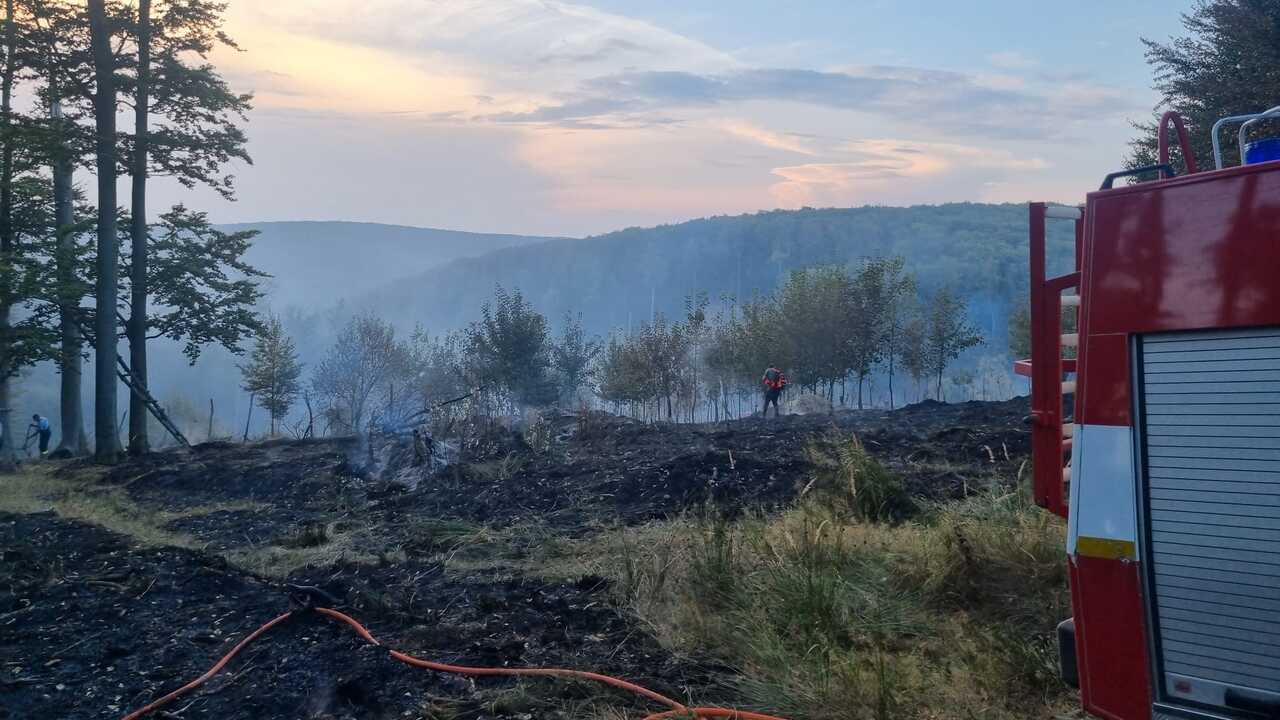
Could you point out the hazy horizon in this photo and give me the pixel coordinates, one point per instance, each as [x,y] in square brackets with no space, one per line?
[578,118]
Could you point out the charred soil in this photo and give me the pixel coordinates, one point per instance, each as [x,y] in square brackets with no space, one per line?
[95,622]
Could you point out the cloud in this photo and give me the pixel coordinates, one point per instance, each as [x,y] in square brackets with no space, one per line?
[950,102]
[1012,60]
[879,168]
[584,120]
[790,142]
[545,38]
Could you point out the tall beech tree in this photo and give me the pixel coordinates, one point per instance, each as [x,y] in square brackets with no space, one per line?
[196,133]
[106,442]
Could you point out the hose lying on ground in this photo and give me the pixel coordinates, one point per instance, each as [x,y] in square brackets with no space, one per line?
[677,710]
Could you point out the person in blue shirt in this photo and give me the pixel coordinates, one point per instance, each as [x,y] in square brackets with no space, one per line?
[41,426]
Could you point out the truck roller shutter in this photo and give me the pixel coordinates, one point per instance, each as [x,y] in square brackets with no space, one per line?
[1210,403]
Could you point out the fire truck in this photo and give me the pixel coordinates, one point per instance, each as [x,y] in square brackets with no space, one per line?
[1155,396]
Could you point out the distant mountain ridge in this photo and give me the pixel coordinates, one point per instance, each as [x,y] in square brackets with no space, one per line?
[618,279]
[315,263]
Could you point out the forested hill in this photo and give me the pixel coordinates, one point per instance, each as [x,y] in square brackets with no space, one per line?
[316,263]
[615,279]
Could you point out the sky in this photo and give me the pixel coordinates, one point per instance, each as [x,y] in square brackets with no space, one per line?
[577,118]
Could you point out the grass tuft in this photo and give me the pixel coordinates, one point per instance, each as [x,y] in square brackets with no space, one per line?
[848,480]
[825,617]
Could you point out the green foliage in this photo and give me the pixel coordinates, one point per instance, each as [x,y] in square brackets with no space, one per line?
[813,314]
[649,365]
[27,280]
[509,353]
[823,326]
[195,116]
[914,353]
[572,357]
[202,290]
[1020,330]
[273,371]
[1224,65]
[364,360]
[947,333]
[439,368]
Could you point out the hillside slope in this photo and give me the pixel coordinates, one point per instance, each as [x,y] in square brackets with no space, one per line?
[619,278]
[316,263]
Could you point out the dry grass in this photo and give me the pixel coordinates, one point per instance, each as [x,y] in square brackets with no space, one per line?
[279,562]
[827,618]
[36,488]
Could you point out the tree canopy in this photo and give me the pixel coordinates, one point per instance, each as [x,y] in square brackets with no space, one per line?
[1228,63]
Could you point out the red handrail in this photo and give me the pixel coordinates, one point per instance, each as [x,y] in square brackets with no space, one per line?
[1184,141]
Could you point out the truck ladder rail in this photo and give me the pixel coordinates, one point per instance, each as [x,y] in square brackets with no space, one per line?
[1051,432]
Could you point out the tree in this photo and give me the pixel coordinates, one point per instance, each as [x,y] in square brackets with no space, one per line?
[948,333]
[439,367]
[106,442]
[1225,65]
[572,356]
[359,363]
[273,371]
[57,55]
[812,320]
[696,331]
[871,300]
[914,353]
[8,249]
[196,135]
[509,353]
[137,332]
[623,372]
[900,302]
[201,289]
[1020,330]
[663,347]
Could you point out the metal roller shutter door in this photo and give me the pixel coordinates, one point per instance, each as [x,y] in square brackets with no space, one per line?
[1211,407]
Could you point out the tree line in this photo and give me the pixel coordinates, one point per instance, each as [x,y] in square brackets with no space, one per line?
[79,273]
[829,328]
[371,377]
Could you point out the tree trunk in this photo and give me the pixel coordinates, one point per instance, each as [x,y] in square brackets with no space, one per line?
[138,441]
[107,443]
[890,353]
[8,369]
[249,416]
[73,438]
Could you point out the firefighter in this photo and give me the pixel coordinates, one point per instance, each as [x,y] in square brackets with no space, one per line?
[421,455]
[41,427]
[774,381]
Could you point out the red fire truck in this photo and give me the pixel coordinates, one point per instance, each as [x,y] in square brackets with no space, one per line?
[1165,456]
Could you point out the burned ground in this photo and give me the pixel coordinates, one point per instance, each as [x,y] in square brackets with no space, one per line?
[94,627]
[95,623]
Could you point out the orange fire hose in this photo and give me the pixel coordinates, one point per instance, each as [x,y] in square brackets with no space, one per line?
[677,710]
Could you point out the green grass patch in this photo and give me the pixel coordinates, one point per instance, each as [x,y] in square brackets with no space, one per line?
[822,613]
